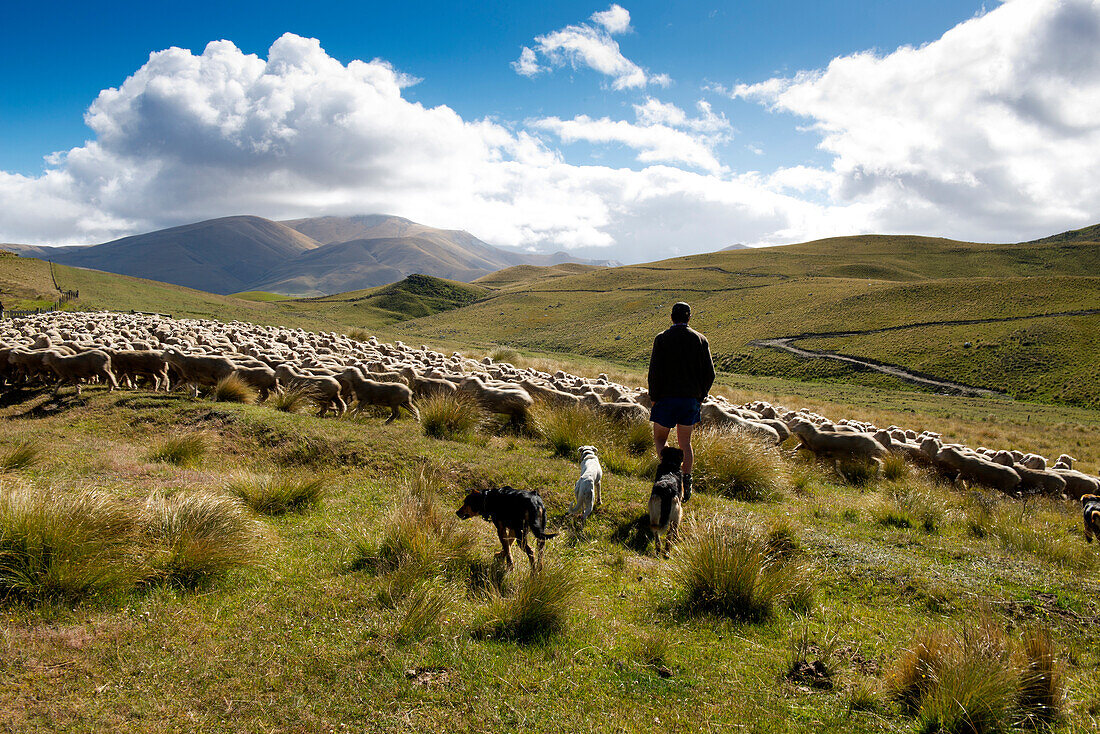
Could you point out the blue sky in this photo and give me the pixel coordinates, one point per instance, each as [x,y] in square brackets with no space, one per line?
[56,57]
[744,122]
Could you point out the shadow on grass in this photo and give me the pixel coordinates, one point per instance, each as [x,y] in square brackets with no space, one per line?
[632,534]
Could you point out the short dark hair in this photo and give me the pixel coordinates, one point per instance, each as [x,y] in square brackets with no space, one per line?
[681,313]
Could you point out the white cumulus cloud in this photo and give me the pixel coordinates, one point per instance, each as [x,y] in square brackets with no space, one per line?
[991,132]
[592,46]
[195,136]
[662,133]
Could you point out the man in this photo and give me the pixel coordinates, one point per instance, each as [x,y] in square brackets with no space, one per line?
[680,375]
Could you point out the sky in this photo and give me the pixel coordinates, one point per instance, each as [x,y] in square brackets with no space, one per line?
[631,131]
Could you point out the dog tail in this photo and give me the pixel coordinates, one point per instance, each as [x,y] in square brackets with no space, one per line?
[538,525]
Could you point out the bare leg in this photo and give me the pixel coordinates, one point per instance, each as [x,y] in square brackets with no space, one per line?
[660,437]
[683,437]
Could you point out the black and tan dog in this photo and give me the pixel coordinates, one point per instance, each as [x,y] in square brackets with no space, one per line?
[1091,505]
[514,512]
[665,499]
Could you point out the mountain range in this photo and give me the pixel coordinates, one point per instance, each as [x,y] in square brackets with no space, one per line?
[316,256]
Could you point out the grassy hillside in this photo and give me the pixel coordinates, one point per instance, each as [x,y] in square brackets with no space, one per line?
[525,275]
[838,285]
[25,282]
[315,634]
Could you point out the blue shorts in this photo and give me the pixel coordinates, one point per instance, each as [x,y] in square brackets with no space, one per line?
[672,412]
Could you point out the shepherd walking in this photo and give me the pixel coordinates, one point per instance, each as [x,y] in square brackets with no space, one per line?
[681,373]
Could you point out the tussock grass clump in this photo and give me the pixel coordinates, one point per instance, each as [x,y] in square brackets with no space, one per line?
[453,417]
[732,573]
[977,679]
[233,389]
[420,539]
[565,429]
[638,437]
[540,606]
[279,494]
[359,335]
[199,535]
[895,468]
[735,465]
[296,397]
[653,648]
[23,455]
[65,543]
[183,450]
[504,354]
[422,612]
[1042,679]
[858,472]
[911,504]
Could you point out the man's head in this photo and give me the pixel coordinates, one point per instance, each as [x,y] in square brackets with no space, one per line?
[681,313]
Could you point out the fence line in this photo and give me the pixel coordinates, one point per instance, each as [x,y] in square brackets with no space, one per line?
[63,298]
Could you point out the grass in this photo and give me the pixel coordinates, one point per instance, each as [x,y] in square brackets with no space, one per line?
[453,417]
[540,608]
[504,354]
[181,450]
[728,572]
[233,389]
[65,543]
[199,536]
[977,679]
[25,454]
[422,612]
[419,539]
[566,429]
[295,398]
[292,639]
[277,494]
[734,465]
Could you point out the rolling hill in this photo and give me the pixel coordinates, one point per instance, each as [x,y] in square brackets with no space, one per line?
[919,286]
[317,256]
[220,255]
[1021,319]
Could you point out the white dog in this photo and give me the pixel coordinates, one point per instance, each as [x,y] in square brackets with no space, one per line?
[587,488]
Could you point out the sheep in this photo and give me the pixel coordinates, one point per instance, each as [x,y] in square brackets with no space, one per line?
[392,395]
[979,470]
[512,400]
[196,370]
[1034,461]
[423,386]
[129,364]
[839,445]
[71,369]
[624,411]
[325,389]
[1065,461]
[259,376]
[1044,482]
[1078,483]
[549,395]
[714,413]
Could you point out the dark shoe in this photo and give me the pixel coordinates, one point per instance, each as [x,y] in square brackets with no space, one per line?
[687,488]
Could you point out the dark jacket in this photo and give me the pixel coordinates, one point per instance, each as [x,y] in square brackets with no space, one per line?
[680,366]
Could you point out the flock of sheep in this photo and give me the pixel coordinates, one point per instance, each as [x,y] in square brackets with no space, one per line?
[69,348]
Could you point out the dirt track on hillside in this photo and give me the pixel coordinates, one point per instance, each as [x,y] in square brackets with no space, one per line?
[786,344]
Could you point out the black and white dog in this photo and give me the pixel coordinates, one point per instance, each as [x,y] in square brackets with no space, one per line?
[1091,505]
[664,500]
[587,488]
